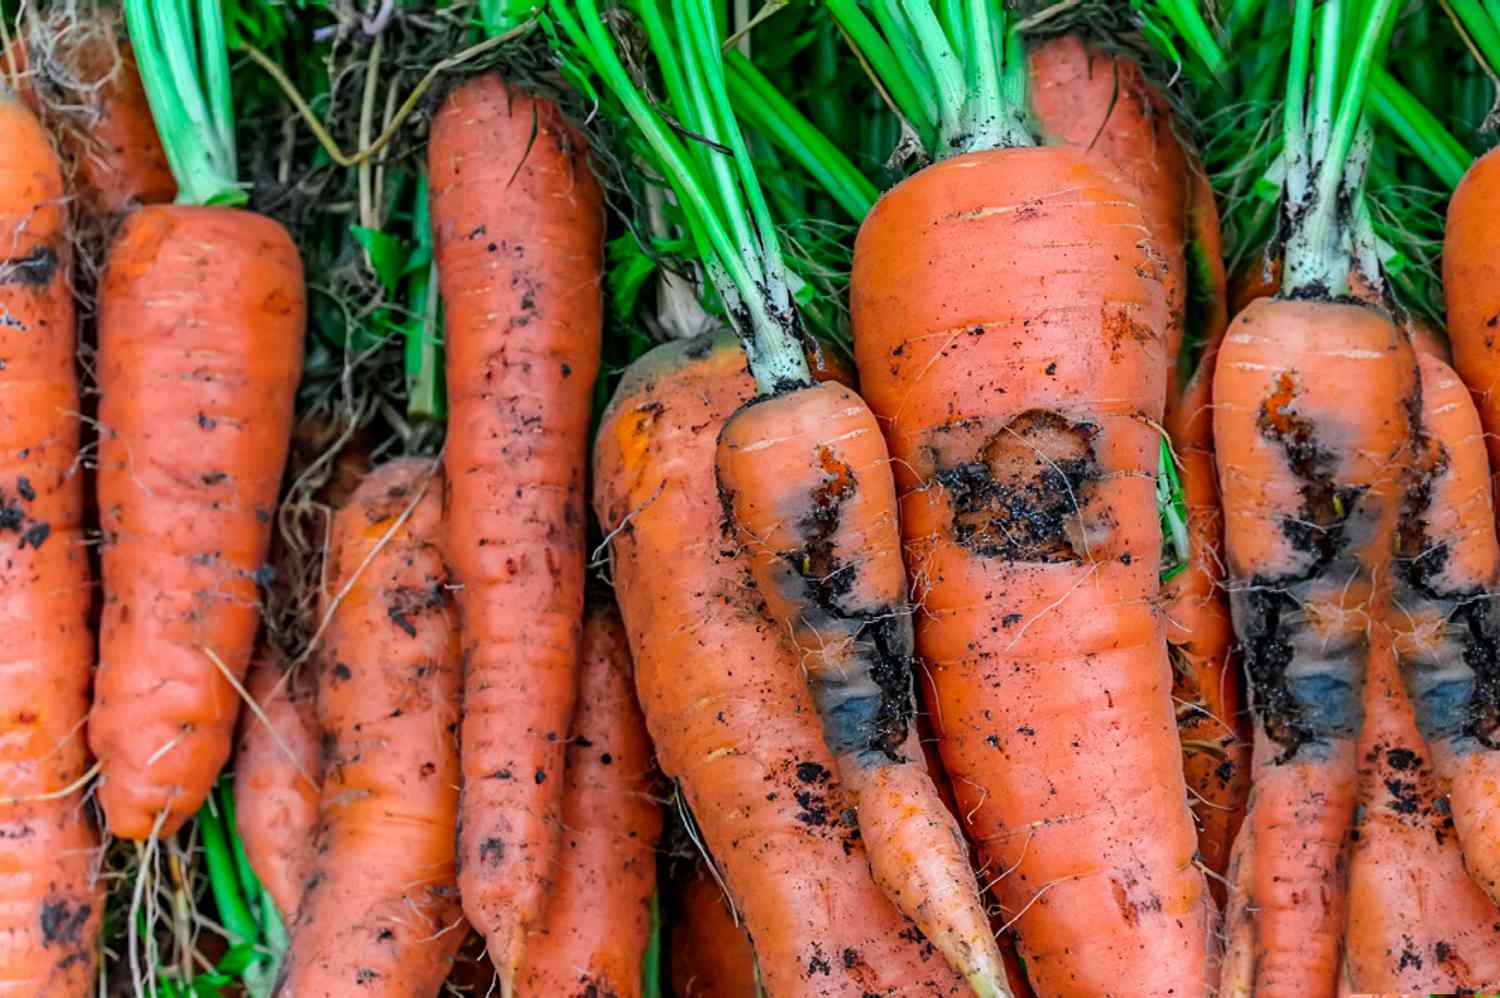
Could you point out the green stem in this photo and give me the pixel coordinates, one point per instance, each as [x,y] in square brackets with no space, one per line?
[946,69]
[424,349]
[1294,122]
[1419,128]
[916,105]
[1479,24]
[223,879]
[1188,20]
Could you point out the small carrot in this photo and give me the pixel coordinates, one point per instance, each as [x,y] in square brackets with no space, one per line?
[277,777]
[380,915]
[711,955]
[598,923]
[201,321]
[51,901]
[518,227]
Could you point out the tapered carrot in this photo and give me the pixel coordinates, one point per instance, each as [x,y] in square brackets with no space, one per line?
[380,915]
[201,320]
[741,737]
[598,923]
[50,899]
[518,228]
[710,955]
[277,780]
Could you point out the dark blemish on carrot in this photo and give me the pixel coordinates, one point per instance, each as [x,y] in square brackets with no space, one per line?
[606,759]
[365,975]
[214,477]
[1403,759]
[36,535]
[341,672]
[501,774]
[35,269]
[819,964]
[1442,951]
[1052,368]
[23,486]
[541,777]
[206,422]
[812,772]
[492,851]
[61,923]
[264,575]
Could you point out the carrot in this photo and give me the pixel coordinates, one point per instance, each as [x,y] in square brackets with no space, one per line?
[742,737]
[50,899]
[599,916]
[987,334]
[277,777]
[103,121]
[1448,564]
[518,230]
[1471,268]
[805,481]
[711,955]
[380,915]
[201,321]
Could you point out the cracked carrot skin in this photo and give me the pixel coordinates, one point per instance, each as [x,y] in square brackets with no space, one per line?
[277,778]
[807,479]
[1312,432]
[518,223]
[50,901]
[201,319]
[598,923]
[710,955]
[380,915]
[1447,573]
[1018,371]
[725,699]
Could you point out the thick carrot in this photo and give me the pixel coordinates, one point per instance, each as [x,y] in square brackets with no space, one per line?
[50,900]
[740,735]
[1311,427]
[200,349]
[1019,405]
[1446,573]
[598,923]
[380,914]
[711,956]
[277,779]
[1471,284]
[101,116]
[518,228]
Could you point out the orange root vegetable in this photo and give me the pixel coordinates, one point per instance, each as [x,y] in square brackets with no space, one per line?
[710,955]
[110,141]
[1261,278]
[380,915]
[200,349]
[1446,574]
[277,777]
[1471,283]
[742,736]
[1312,429]
[598,923]
[806,477]
[1020,374]
[518,223]
[50,899]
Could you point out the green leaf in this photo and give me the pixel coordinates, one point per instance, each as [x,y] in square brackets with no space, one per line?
[237,958]
[629,268]
[387,255]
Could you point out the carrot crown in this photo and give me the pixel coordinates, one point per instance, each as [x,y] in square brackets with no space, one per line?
[184,65]
[723,205]
[953,69]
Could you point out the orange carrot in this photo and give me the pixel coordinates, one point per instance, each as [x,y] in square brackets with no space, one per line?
[380,914]
[710,955]
[742,737]
[50,899]
[277,777]
[598,923]
[1311,404]
[518,227]
[1471,283]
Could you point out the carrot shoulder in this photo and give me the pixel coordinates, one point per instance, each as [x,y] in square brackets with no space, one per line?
[518,226]
[380,914]
[50,901]
[598,922]
[1020,405]
[200,349]
[741,736]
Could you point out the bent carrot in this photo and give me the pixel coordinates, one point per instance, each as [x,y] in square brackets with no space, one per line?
[380,915]
[518,229]
[51,901]
[598,923]
[742,737]
[711,956]
[277,780]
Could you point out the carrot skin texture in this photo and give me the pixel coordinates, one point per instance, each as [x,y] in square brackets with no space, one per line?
[598,922]
[202,315]
[806,477]
[1312,406]
[974,378]
[50,902]
[277,782]
[518,227]
[711,956]
[380,915]
[725,699]
[1471,284]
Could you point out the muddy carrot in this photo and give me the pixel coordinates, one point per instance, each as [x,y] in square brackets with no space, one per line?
[380,914]
[710,955]
[599,915]
[518,228]
[50,900]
